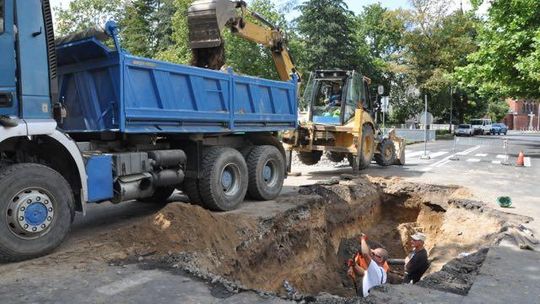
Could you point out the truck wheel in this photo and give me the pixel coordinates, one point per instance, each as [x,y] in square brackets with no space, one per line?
[36,211]
[387,155]
[225,179]
[310,158]
[335,157]
[367,147]
[160,196]
[191,189]
[266,172]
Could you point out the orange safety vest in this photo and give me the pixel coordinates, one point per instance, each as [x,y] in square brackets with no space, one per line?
[361,262]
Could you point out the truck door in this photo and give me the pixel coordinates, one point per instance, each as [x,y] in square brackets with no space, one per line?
[33,60]
[8,103]
[354,96]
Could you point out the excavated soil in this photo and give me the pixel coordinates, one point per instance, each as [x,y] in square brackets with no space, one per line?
[308,244]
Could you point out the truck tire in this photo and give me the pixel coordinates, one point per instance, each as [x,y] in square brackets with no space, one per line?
[335,157]
[191,189]
[225,179]
[387,155]
[266,173]
[367,147]
[36,211]
[160,196]
[310,158]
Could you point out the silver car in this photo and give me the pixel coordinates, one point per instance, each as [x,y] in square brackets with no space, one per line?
[464,130]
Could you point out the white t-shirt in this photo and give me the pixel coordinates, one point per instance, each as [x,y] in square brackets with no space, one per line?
[374,276]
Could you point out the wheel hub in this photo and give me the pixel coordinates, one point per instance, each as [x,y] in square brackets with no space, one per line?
[267,172]
[30,213]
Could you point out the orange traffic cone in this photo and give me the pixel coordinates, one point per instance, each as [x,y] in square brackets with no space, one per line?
[520,160]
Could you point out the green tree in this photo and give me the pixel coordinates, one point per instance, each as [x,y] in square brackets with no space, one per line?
[326,28]
[147,27]
[84,14]
[507,61]
[178,51]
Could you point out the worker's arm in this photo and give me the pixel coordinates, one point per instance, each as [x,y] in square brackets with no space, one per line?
[365,250]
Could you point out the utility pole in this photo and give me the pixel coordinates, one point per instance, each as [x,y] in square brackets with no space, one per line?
[425,156]
[451,111]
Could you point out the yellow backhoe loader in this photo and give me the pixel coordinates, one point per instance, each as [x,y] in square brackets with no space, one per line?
[340,118]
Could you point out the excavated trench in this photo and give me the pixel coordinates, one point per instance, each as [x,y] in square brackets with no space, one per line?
[308,244]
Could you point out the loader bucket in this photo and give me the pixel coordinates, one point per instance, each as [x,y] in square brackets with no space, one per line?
[206,20]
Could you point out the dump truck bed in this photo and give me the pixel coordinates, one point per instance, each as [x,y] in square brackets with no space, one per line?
[104,90]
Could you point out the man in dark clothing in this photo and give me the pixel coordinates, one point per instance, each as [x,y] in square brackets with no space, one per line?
[416,263]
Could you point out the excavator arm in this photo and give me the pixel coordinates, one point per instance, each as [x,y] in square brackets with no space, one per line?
[208,18]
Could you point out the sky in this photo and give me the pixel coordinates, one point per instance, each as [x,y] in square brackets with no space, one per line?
[354,5]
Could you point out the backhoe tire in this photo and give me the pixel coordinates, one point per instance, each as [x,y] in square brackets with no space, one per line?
[160,196]
[310,158]
[335,157]
[266,172]
[367,147]
[36,211]
[224,181]
[387,155]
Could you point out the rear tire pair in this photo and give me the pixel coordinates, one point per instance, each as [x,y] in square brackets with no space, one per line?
[228,175]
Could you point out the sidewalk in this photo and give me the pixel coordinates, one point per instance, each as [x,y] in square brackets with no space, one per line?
[508,275]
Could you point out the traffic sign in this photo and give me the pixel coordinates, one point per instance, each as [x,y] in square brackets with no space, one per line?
[385,103]
[426,118]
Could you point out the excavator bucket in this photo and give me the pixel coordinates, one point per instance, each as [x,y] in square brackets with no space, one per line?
[206,20]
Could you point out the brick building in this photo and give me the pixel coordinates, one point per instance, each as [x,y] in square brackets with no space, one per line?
[520,113]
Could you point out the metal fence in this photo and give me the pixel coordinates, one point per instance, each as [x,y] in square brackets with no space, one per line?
[414,135]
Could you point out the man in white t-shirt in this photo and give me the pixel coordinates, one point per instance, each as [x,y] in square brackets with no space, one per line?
[375,274]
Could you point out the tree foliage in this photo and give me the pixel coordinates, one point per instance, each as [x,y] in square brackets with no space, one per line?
[83,14]
[508,59]
[326,30]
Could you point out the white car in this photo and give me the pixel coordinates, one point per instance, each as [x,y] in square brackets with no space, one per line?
[481,126]
[464,130]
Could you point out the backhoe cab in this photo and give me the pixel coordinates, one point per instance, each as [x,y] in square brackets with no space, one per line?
[340,123]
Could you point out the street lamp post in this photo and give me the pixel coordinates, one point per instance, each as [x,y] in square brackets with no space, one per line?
[451,110]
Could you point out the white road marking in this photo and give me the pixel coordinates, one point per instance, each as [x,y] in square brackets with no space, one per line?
[442,163]
[468,151]
[128,283]
[425,169]
[473,160]
[496,162]
[437,154]
[501,156]
[416,153]
[481,155]
[527,162]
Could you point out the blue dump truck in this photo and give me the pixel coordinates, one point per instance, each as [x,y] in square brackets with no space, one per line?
[81,122]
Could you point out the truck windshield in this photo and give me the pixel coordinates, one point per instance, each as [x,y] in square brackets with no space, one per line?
[1,16]
[476,122]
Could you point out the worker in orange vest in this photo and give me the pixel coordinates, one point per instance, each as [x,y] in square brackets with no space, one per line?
[361,264]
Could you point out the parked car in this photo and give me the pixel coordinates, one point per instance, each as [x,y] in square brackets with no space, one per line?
[464,130]
[481,126]
[499,128]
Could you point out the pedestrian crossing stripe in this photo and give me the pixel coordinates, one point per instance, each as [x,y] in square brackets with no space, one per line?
[501,156]
[473,160]
[481,155]
[437,154]
[496,162]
